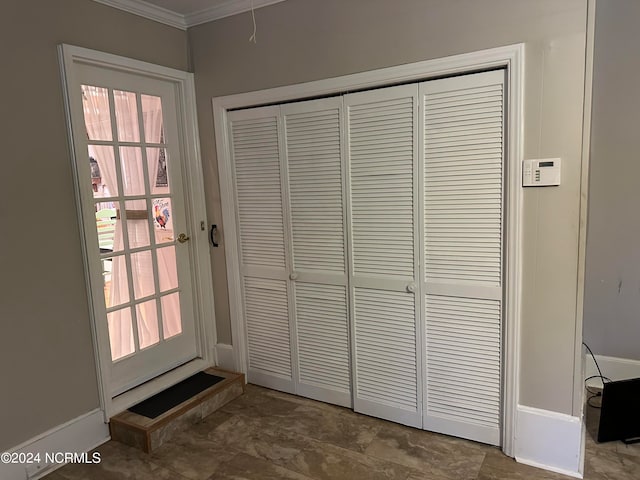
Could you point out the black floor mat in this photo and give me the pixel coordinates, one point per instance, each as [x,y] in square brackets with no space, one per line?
[164,401]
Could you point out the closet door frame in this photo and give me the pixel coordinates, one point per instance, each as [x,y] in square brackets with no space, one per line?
[511,58]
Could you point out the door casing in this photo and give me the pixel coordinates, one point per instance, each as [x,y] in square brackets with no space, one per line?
[69,58]
[511,58]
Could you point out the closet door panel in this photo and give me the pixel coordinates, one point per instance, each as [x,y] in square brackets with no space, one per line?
[381,158]
[463,212]
[256,156]
[259,196]
[323,342]
[313,140]
[267,317]
[314,164]
[386,366]
[382,165]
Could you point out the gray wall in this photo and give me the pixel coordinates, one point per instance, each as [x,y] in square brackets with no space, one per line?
[46,356]
[612,284]
[304,40]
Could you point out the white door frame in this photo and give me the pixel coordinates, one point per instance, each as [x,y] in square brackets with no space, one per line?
[510,57]
[69,57]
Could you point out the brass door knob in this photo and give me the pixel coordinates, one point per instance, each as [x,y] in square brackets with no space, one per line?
[183,238]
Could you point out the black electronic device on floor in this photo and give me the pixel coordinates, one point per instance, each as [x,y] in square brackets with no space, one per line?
[620,412]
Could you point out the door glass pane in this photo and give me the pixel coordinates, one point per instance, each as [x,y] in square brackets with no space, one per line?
[167,270]
[147,318]
[142,272]
[152,118]
[162,219]
[126,116]
[102,163]
[107,227]
[132,173]
[120,333]
[107,268]
[171,320]
[158,175]
[116,284]
[137,223]
[97,120]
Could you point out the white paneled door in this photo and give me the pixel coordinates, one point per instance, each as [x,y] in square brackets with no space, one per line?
[264,256]
[313,153]
[371,250]
[462,150]
[290,196]
[130,153]
[382,171]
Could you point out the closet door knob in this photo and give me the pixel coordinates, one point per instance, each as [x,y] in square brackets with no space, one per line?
[293,276]
[411,288]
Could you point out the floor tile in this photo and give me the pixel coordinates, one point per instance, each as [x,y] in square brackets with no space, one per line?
[317,459]
[304,401]
[119,462]
[431,454]
[236,431]
[246,467]
[267,435]
[497,466]
[333,426]
[632,450]
[192,456]
[608,465]
[55,476]
[258,402]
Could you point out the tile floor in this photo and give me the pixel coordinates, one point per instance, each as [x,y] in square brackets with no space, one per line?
[270,435]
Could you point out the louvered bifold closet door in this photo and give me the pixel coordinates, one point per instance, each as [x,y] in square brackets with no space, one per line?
[256,156]
[313,132]
[382,193]
[463,219]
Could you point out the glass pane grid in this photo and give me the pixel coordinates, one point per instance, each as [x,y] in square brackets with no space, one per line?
[110,143]
[126,138]
[142,300]
[115,198]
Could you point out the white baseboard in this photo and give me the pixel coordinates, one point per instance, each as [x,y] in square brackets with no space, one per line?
[76,436]
[549,440]
[613,367]
[226,357]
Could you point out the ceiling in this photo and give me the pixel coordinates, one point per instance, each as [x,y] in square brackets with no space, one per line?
[186,13]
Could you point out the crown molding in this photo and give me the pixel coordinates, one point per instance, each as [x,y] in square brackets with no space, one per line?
[221,9]
[147,10]
[224,9]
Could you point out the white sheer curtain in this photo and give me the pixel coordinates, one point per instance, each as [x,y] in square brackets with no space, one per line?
[98,123]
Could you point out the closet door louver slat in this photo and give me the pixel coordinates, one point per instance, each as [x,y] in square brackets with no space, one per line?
[463,212]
